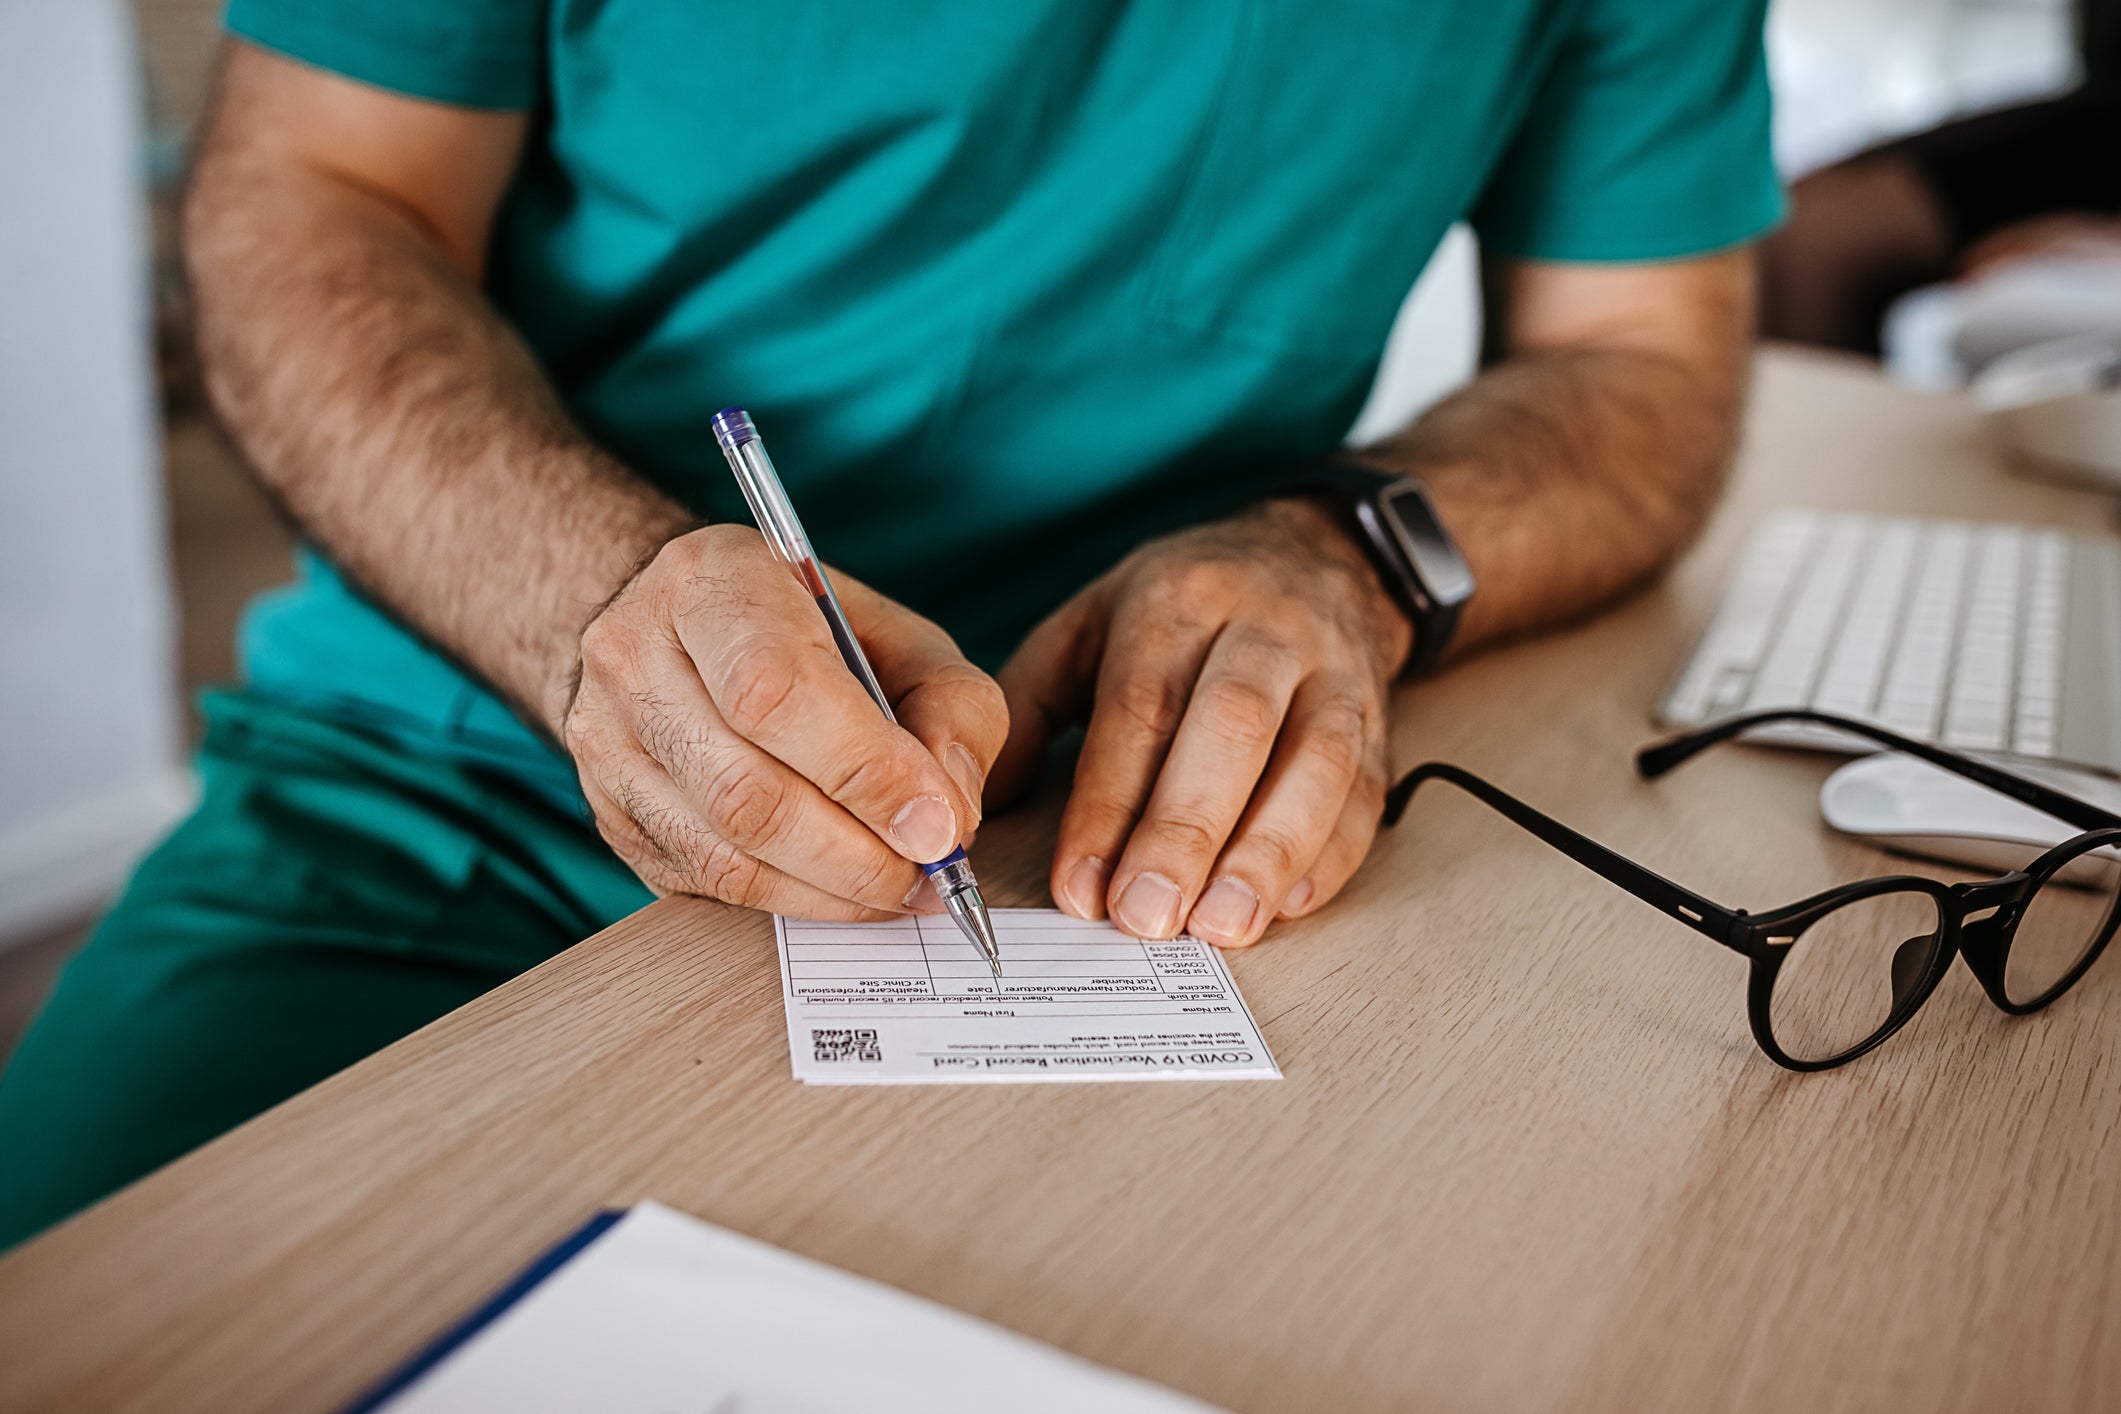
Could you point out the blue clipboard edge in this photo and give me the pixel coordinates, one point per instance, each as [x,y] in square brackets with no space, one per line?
[446,1344]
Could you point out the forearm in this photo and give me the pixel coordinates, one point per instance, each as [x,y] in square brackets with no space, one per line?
[1580,466]
[406,428]
[1568,479]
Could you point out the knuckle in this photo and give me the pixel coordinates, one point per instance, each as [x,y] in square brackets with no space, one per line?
[720,543]
[1238,709]
[1339,738]
[747,805]
[981,693]
[758,684]
[652,842]
[1097,822]
[1156,705]
[721,589]
[1199,582]
[647,830]
[647,582]
[969,697]
[1258,651]
[625,837]
[726,872]
[633,802]
[1187,833]
[881,881]
[876,777]
[1289,619]
[669,733]
[704,561]
[1278,850]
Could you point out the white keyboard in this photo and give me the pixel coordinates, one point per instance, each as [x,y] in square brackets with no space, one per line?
[1948,631]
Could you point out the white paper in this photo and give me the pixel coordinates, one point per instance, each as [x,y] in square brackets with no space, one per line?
[663,1314]
[913,1002]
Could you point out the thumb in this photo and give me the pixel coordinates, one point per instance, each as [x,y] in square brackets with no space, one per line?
[1047,683]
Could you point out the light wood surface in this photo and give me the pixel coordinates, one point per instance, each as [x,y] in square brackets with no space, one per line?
[1525,1157]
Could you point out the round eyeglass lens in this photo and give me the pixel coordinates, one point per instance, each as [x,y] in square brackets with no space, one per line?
[2072,912]
[1843,977]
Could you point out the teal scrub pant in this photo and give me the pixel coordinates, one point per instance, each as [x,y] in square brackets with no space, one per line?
[334,890]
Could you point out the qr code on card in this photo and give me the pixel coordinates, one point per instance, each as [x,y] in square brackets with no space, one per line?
[859,1046]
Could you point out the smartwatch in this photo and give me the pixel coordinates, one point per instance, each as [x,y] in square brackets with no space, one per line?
[1394,521]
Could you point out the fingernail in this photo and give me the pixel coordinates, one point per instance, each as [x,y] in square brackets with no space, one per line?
[926,829]
[1085,888]
[1299,897]
[921,897]
[1149,907]
[964,769]
[1225,912]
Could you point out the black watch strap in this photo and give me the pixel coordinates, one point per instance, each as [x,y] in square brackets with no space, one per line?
[1394,521]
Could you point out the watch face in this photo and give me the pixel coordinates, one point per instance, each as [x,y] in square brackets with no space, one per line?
[1406,516]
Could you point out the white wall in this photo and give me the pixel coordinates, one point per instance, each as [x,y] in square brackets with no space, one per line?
[1435,341]
[1851,73]
[89,731]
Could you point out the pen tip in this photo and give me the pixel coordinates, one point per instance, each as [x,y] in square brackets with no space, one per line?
[970,912]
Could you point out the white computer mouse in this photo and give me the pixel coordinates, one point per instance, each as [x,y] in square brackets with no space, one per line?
[2059,404]
[1905,804]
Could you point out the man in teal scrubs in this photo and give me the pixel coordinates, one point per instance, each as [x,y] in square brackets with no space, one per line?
[1044,306]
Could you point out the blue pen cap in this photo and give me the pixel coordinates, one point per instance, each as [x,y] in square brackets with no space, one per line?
[732,428]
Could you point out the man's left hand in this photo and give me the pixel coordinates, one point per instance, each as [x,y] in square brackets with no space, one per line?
[1235,676]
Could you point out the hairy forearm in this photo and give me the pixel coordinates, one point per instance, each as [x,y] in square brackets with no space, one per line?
[406,428]
[1571,476]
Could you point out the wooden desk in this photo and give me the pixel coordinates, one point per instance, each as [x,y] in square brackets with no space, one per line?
[1526,1156]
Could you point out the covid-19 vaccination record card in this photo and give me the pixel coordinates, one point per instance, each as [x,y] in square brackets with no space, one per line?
[912,1002]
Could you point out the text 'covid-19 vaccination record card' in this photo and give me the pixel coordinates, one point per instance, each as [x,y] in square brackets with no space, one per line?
[912,1002]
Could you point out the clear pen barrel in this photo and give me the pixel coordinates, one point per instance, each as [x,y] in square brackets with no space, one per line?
[775,513]
[761,484]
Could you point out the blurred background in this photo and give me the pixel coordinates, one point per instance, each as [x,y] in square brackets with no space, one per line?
[130,537]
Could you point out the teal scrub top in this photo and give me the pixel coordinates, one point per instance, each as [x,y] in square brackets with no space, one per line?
[1009,286]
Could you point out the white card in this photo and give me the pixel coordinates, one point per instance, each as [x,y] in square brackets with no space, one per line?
[663,1314]
[912,1002]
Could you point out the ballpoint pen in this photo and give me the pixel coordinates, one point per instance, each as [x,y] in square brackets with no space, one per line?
[771,508]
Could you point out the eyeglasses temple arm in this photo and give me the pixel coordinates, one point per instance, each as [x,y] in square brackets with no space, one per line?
[1654,761]
[1710,919]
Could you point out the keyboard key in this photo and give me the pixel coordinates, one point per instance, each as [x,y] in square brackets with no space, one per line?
[1909,719]
[1943,630]
[1792,665]
[1856,665]
[1729,691]
[1971,726]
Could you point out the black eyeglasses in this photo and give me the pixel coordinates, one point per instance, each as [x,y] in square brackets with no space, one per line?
[1837,973]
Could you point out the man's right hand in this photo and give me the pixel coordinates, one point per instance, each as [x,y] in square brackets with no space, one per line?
[727,751]
[337,236]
